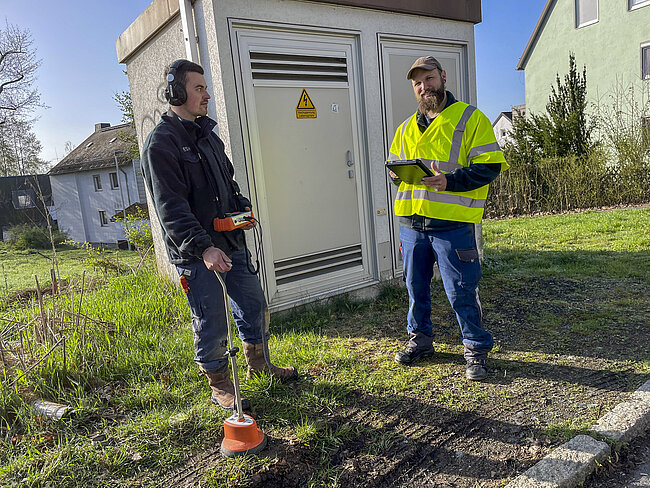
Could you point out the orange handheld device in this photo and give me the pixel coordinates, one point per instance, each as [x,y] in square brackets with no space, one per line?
[233,221]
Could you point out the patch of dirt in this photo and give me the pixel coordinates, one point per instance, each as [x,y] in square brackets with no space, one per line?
[574,375]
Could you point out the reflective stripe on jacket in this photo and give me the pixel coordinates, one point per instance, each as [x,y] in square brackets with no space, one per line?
[459,136]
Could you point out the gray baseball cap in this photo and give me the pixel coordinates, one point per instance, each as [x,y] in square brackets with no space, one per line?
[425,62]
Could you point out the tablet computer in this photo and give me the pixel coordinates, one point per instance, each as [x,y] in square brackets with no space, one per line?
[409,170]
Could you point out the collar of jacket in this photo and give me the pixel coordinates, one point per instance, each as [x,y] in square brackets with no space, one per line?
[422,120]
[200,127]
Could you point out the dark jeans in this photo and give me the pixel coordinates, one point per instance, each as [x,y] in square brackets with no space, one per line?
[209,320]
[457,257]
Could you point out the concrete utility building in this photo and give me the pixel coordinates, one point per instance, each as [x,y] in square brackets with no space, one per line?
[307,95]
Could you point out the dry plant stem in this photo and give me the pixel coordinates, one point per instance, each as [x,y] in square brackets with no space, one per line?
[39,294]
[4,273]
[55,261]
[83,327]
[21,351]
[29,370]
[2,354]
[143,257]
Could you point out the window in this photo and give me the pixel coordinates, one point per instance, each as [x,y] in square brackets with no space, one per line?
[633,4]
[103,220]
[503,132]
[23,199]
[97,180]
[586,12]
[114,181]
[645,62]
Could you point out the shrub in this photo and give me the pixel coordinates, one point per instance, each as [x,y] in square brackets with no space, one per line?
[28,236]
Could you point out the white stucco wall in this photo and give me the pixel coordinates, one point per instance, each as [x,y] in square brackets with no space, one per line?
[78,204]
[502,128]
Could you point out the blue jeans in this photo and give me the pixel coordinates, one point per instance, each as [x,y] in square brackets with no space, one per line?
[209,320]
[457,257]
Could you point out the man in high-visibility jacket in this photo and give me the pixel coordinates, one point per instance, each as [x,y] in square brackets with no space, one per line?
[437,216]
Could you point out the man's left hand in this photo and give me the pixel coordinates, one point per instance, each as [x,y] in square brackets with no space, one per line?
[251,224]
[438,181]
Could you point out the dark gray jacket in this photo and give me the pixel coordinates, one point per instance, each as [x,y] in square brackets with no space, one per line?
[190,179]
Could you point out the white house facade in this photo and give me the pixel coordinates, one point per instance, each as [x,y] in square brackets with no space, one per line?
[94,182]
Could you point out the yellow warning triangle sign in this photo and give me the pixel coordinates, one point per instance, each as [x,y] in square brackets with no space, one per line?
[305,108]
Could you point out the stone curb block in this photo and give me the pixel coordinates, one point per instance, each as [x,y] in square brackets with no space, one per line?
[629,419]
[566,466]
[572,462]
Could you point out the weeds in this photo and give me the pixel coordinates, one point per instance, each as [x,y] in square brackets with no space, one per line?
[141,413]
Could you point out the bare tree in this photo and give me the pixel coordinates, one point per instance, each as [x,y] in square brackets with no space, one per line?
[19,149]
[18,65]
[125,103]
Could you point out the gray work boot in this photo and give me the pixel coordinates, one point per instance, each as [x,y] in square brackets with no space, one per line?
[255,358]
[223,390]
[476,368]
[419,346]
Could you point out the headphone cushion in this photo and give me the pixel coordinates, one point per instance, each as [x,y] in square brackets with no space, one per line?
[175,93]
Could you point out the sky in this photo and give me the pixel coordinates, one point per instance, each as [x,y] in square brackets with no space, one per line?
[79,74]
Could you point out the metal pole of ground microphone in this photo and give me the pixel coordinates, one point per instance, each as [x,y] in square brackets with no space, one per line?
[232,351]
[265,341]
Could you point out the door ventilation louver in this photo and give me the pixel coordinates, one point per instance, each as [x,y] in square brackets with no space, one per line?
[276,66]
[310,265]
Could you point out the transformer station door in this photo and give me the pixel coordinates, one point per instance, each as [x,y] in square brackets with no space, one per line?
[303,147]
[397,56]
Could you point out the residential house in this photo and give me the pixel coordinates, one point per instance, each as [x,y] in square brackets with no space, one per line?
[307,95]
[502,125]
[610,38]
[93,183]
[24,200]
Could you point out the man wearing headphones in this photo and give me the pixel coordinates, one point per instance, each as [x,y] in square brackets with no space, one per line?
[190,180]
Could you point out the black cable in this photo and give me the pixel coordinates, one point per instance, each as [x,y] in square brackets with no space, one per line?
[257,238]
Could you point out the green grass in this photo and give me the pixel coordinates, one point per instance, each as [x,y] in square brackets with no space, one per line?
[17,268]
[141,410]
[611,243]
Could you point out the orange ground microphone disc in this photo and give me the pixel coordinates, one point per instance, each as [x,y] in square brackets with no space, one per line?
[241,436]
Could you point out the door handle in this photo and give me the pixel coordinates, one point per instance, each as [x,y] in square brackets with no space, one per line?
[349,161]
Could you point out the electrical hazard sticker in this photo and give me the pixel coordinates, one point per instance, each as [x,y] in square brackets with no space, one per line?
[305,108]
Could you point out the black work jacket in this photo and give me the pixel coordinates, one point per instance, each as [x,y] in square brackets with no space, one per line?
[191,181]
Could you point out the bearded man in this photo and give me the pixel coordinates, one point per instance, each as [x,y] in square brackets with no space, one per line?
[437,216]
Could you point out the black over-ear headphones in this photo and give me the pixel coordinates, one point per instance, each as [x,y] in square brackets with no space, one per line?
[175,92]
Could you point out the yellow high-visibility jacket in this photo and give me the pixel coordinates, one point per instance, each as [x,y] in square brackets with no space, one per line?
[461,135]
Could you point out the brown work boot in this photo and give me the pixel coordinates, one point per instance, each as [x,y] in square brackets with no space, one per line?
[223,390]
[255,358]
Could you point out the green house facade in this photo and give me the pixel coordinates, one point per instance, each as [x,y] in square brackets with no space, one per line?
[610,37]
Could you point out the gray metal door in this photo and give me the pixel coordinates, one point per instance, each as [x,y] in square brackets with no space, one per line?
[303,129]
[397,56]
